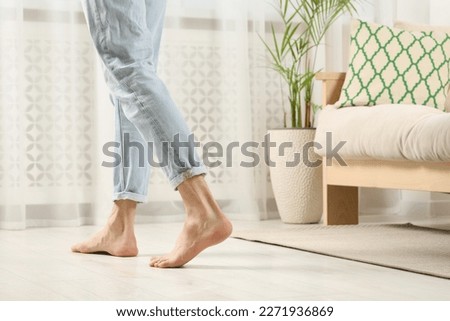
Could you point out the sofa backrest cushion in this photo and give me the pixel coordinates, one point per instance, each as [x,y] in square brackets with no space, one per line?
[427,28]
[394,66]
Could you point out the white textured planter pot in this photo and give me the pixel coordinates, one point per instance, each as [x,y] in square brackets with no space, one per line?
[297,189]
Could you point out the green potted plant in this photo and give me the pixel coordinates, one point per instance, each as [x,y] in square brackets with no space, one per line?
[293,54]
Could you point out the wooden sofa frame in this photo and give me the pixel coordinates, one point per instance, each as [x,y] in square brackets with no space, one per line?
[340,183]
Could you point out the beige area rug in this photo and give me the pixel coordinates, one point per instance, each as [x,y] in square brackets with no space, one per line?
[401,246]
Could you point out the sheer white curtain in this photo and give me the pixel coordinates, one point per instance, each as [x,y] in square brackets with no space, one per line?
[434,12]
[46,142]
[55,114]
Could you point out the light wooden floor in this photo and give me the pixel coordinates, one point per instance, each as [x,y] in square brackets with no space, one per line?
[36,264]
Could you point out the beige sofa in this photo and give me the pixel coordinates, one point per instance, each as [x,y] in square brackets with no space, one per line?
[340,183]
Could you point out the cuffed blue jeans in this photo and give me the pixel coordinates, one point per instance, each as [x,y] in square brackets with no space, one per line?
[127,35]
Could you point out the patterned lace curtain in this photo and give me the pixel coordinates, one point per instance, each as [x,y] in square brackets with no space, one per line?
[46,106]
[55,113]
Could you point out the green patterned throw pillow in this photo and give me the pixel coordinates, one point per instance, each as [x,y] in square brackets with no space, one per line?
[393,66]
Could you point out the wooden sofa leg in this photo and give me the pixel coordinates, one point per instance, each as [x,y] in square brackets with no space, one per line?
[340,205]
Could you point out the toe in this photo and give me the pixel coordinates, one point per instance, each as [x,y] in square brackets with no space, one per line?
[164,263]
[85,248]
[75,248]
[169,263]
[160,262]
[155,260]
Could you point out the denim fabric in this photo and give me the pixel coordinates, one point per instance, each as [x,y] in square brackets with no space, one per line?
[127,35]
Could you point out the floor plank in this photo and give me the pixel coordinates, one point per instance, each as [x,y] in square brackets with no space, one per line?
[36,264]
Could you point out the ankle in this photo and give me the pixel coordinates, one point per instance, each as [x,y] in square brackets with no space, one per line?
[125,205]
[198,199]
[122,216]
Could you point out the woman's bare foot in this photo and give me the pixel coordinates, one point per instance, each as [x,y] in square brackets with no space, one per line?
[205,225]
[117,237]
[194,238]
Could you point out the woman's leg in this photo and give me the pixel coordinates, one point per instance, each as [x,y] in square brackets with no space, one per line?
[124,41]
[123,34]
[130,184]
[131,175]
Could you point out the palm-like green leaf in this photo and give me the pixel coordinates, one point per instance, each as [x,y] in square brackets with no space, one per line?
[293,56]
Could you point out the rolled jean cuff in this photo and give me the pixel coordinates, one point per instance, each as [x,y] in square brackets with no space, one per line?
[191,172]
[130,196]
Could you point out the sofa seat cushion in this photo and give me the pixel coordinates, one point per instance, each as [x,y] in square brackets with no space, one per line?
[386,132]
